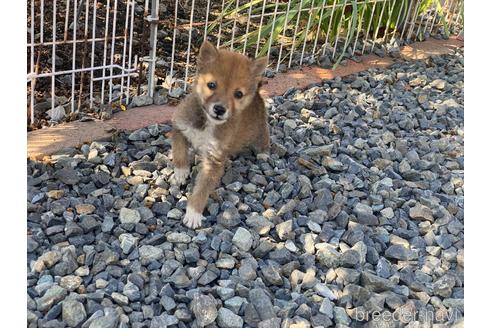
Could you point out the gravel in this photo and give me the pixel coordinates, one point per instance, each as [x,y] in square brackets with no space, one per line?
[204,309]
[73,313]
[242,239]
[358,210]
[128,216]
[227,319]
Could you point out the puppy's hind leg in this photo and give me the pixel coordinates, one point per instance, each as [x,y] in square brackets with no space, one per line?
[180,148]
[208,177]
[262,144]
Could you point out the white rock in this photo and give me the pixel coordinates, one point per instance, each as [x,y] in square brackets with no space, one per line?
[129,216]
[57,114]
[227,319]
[242,239]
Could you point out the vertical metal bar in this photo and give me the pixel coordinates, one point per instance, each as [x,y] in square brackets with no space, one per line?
[206,21]
[338,29]
[329,26]
[65,35]
[91,87]
[41,24]
[388,21]
[407,19]
[386,29]
[319,27]
[397,20]
[455,10]
[283,36]
[33,81]
[295,32]
[462,18]
[261,25]
[429,18]
[420,24]
[53,60]
[453,13]
[130,48]
[450,14]
[359,28]
[174,37]
[86,32]
[247,28]
[458,14]
[123,57]
[376,30]
[410,30]
[189,45]
[143,37]
[447,7]
[462,13]
[369,28]
[412,20]
[220,24]
[74,51]
[111,60]
[105,50]
[306,34]
[390,14]
[436,13]
[455,16]
[153,42]
[32,62]
[234,25]
[273,29]
[346,38]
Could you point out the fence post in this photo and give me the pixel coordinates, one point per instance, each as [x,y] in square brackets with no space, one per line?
[154,21]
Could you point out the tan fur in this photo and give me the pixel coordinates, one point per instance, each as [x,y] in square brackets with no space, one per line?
[245,123]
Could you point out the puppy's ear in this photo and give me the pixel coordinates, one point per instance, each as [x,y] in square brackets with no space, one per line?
[208,54]
[259,66]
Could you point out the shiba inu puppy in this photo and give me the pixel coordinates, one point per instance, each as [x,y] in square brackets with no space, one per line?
[223,115]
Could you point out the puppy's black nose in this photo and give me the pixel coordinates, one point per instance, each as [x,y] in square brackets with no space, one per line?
[219,110]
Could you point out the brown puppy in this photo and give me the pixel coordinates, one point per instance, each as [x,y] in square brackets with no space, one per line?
[224,114]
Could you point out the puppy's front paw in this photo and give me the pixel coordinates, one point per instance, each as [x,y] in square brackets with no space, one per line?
[192,218]
[180,175]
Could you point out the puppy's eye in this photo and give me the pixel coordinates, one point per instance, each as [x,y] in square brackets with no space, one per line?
[212,85]
[238,94]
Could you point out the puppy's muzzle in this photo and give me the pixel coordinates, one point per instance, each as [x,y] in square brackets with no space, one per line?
[218,112]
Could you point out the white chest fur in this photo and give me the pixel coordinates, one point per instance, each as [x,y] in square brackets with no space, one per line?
[202,141]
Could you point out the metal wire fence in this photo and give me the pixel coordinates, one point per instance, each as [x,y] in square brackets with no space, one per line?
[86,54]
